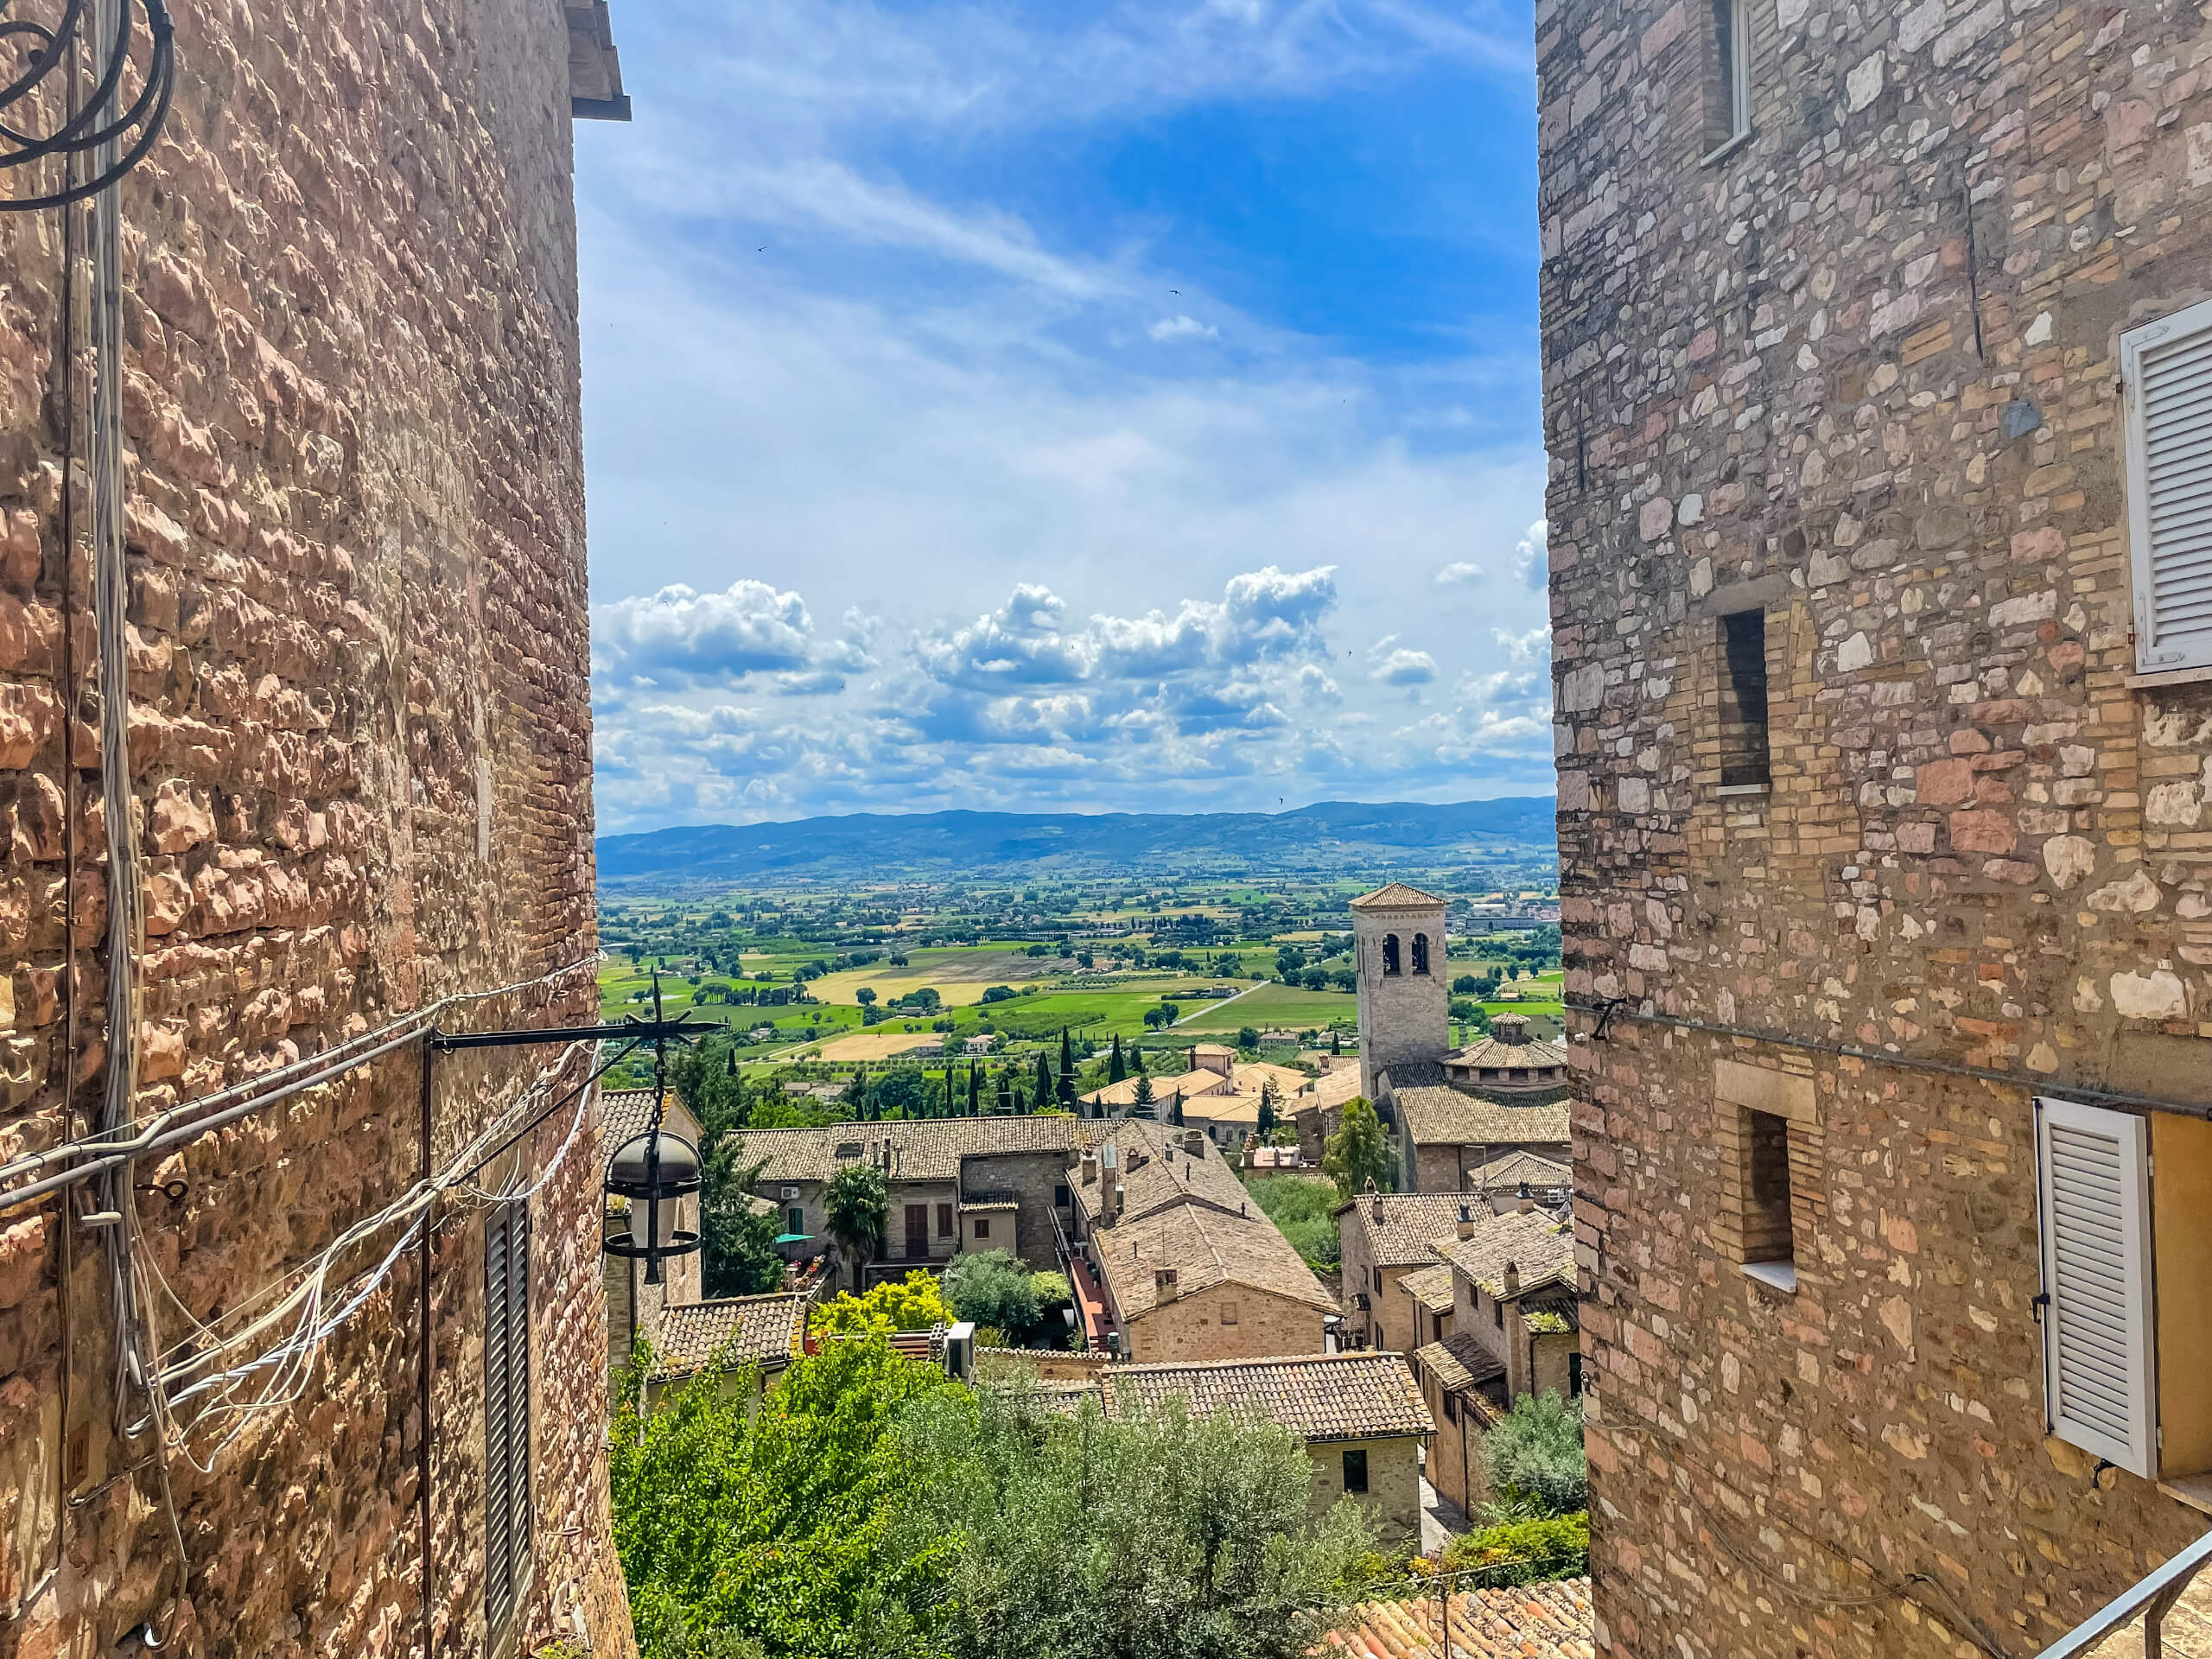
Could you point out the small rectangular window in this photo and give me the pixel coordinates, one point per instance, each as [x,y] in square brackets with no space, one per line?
[1356,1471]
[944,1217]
[1061,1196]
[1729,86]
[2166,370]
[1743,700]
[795,1221]
[1498,1314]
[1229,1313]
[983,1226]
[1451,1408]
[1768,1234]
[506,1409]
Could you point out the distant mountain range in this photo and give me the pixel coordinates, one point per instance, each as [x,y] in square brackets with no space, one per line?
[1331,837]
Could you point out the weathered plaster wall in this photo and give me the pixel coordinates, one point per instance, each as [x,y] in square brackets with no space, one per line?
[1860,371]
[360,740]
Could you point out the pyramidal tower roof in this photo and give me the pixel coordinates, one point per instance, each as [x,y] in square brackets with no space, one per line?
[1396,896]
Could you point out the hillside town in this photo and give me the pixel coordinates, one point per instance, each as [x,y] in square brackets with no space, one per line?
[1781,1231]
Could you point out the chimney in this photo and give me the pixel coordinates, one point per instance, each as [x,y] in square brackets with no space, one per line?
[1512,1279]
[1467,1221]
[1374,1200]
[1526,1203]
[1164,1287]
[1087,1169]
[1110,1183]
[1194,1142]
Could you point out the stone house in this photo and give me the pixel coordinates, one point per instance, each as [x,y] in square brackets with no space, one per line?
[1170,1259]
[1360,1416]
[1874,348]
[1448,1139]
[955,1183]
[728,1334]
[634,1308]
[1512,1330]
[349,550]
[1383,1236]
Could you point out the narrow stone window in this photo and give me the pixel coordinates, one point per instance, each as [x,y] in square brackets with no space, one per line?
[1229,1313]
[1389,954]
[1356,1469]
[1743,701]
[1769,1237]
[944,1217]
[1421,953]
[1729,79]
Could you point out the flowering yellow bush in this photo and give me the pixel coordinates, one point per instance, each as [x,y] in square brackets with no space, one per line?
[913,1303]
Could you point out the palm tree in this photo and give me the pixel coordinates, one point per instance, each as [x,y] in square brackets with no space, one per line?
[855,1209]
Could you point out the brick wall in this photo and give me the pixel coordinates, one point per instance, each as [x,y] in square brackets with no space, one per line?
[362,741]
[1859,373]
[1192,1327]
[1402,1016]
[1393,1495]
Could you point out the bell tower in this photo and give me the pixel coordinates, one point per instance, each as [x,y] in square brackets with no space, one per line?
[1404,990]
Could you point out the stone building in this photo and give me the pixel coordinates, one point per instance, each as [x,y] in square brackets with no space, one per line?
[956,1183]
[1384,1237]
[730,1333]
[634,1307]
[1170,1258]
[1404,1005]
[1360,1417]
[1875,348]
[358,736]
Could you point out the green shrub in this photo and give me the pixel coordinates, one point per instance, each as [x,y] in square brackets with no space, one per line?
[993,1288]
[1306,1212]
[1524,1552]
[1535,1450]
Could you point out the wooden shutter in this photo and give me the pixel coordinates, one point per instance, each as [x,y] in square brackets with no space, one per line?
[2095,1178]
[507,1409]
[2167,366]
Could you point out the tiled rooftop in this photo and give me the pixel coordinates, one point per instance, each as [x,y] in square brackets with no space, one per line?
[733,1330]
[1396,896]
[1505,1174]
[1358,1396]
[1438,1115]
[927,1149]
[1407,1230]
[1535,1621]
[1460,1362]
[1430,1286]
[1492,1051]
[1164,1089]
[625,1114]
[1535,1242]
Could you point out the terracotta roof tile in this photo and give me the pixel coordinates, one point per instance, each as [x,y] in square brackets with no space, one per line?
[926,1149]
[1438,1115]
[733,1332]
[1460,1362]
[1408,1230]
[1396,896]
[1430,1286]
[1505,1174]
[1533,1621]
[1359,1396]
[1538,1244]
[1490,1050]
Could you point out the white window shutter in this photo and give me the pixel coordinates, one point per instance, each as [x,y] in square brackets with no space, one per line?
[2094,1176]
[2167,366]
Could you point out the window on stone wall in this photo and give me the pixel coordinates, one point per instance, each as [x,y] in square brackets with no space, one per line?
[1229,1313]
[795,1221]
[1770,1238]
[507,1410]
[1728,73]
[1356,1469]
[2167,374]
[1390,953]
[1743,701]
[1421,953]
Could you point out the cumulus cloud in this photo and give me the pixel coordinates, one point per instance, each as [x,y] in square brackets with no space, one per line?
[680,636]
[1533,646]
[1458,574]
[1181,327]
[1404,667]
[1530,558]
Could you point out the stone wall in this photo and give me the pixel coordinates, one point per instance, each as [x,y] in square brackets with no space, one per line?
[1393,1482]
[1402,1016]
[361,747]
[1192,1326]
[1858,373]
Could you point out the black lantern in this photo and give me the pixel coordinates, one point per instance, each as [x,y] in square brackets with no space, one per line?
[656,1172]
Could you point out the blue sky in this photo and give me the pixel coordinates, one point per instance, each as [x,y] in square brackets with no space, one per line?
[1120,406]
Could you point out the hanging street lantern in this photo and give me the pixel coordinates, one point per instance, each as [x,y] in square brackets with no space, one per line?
[655,1171]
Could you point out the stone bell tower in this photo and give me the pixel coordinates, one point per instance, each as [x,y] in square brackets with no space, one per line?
[1404,997]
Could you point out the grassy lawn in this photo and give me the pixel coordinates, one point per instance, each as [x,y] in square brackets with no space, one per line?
[1284,1006]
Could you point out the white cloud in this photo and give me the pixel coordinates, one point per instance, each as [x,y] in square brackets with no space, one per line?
[680,636]
[1182,328]
[1531,561]
[1458,574]
[1405,667]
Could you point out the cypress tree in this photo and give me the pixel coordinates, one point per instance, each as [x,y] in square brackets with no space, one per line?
[951,1103]
[1041,1094]
[975,1091]
[1067,1054]
[1336,1042]
[1175,1109]
[1006,1092]
[1116,1069]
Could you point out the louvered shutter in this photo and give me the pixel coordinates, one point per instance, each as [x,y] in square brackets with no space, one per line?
[2167,366]
[2095,1187]
[506,1408]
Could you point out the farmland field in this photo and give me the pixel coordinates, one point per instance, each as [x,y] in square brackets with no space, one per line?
[1277,1005]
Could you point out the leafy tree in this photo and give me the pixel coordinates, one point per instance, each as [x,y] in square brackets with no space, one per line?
[1155,1018]
[998,994]
[1306,1212]
[993,1288]
[856,1101]
[1269,1118]
[1358,1152]
[1196,1540]
[737,1240]
[1523,1552]
[771,1523]
[898,1093]
[1536,1449]
[864,996]
[1248,1037]
[1143,1108]
[856,1206]
[1465,985]
[913,1303]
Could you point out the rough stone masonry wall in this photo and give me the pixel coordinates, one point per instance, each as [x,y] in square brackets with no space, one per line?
[1861,371]
[361,742]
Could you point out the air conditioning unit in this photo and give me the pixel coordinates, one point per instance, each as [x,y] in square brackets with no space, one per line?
[790,1193]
